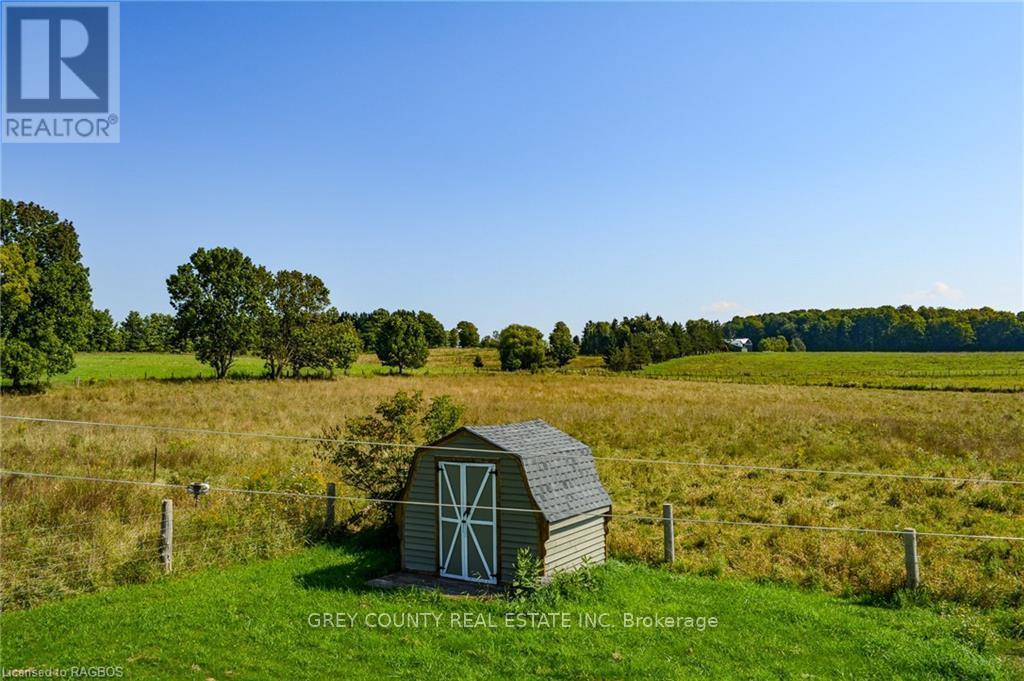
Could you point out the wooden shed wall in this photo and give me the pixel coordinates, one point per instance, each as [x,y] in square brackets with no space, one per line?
[573,539]
[419,525]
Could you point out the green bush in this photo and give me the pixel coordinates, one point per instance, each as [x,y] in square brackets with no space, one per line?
[528,573]
[773,344]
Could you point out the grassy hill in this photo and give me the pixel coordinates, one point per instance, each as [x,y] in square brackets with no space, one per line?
[253,621]
[993,371]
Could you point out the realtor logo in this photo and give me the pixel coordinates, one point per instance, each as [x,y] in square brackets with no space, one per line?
[61,66]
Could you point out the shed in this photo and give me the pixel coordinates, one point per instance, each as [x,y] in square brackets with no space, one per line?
[477,496]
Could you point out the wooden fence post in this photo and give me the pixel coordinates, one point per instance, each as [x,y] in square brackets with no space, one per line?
[167,535]
[670,533]
[910,550]
[330,505]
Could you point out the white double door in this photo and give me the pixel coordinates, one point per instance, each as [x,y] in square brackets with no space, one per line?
[468,531]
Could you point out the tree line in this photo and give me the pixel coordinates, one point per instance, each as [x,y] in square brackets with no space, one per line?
[635,341]
[885,328]
[135,333]
[225,305]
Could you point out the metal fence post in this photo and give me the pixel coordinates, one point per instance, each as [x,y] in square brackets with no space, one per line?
[330,505]
[167,535]
[670,533]
[910,550]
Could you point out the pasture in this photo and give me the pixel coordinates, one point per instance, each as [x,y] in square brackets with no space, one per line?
[265,620]
[952,434]
[115,366]
[977,371]
[988,371]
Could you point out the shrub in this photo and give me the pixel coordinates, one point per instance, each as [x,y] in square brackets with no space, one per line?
[528,574]
[375,457]
[773,344]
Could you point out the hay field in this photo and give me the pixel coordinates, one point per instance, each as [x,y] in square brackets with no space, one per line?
[941,433]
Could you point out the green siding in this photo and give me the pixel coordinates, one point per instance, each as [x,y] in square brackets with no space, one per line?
[573,539]
[515,529]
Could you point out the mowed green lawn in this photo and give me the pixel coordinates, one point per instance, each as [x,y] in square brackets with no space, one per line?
[254,621]
[910,370]
[112,366]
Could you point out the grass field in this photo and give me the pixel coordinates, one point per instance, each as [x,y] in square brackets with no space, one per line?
[254,622]
[942,433]
[114,366]
[995,371]
[979,371]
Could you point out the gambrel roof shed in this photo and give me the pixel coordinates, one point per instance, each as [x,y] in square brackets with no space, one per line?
[559,469]
[480,494]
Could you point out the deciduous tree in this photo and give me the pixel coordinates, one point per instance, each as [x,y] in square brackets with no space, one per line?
[401,342]
[433,330]
[563,348]
[219,297]
[521,347]
[469,335]
[46,297]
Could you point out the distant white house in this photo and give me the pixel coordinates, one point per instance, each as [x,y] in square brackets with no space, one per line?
[739,344]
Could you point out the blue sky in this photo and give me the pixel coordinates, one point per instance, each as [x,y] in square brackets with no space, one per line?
[538,162]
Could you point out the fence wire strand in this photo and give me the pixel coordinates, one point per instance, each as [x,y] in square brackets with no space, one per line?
[405,502]
[569,454]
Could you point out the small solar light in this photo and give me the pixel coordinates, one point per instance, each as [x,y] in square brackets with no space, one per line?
[198,489]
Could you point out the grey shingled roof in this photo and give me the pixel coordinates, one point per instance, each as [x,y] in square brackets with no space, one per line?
[560,469]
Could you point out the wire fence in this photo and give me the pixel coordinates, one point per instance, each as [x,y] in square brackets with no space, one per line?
[46,559]
[504,509]
[555,455]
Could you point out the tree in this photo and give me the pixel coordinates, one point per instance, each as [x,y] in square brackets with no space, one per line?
[490,341]
[18,276]
[947,334]
[373,452]
[46,297]
[133,333]
[342,346]
[453,338]
[401,342]
[433,330]
[521,347]
[705,336]
[326,345]
[621,359]
[598,339]
[469,336]
[369,324]
[773,344]
[290,323]
[161,335]
[563,348]
[797,345]
[219,297]
[103,335]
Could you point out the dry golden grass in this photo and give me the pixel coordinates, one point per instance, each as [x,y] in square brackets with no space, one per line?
[952,434]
